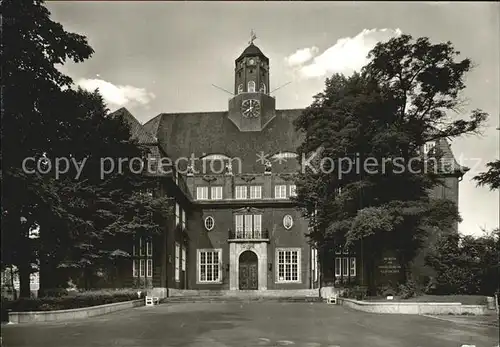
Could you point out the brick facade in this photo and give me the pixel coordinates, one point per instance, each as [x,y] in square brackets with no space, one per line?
[242,135]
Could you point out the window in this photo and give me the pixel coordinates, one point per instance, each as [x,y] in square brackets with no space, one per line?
[209,265]
[255,192]
[283,156]
[177,214]
[280,192]
[248,223]
[248,226]
[238,223]
[338,267]
[183,259]
[209,223]
[288,260]
[428,146]
[345,267]
[149,268]
[293,190]
[177,262]
[338,249]
[215,156]
[241,192]
[257,222]
[142,264]
[287,222]
[216,193]
[314,264]
[141,247]
[202,193]
[183,219]
[352,267]
[134,268]
[251,87]
[240,86]
[263,88]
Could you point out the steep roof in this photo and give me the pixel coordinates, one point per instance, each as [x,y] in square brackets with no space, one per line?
[137,130]
[449,163]
[252,51]
[201,133]
[147,137]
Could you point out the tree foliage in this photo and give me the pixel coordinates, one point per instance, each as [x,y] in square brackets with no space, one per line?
[466,264]
[491,177]
[31,119]
[79,215]
[364,130]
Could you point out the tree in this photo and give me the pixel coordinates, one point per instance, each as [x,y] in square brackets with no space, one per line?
[102,211]
[380,119]
[80,215]
[32,46]
[110,208]
[491,177]
[466,264]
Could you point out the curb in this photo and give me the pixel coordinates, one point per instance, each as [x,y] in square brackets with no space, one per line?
[463,323]
[63,315]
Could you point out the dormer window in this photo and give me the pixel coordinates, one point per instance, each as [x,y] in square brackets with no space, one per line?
[251,87]
[429,146]
[262,88]
[240,88]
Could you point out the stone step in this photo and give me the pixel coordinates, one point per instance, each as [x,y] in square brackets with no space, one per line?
[204,299]
[243,293]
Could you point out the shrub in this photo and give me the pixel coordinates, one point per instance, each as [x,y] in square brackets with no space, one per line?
[408,290]
[69,301]
[387,289]
[356,292]
[465,264]
[55,292]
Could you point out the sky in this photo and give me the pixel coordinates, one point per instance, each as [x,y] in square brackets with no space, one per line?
[159,57]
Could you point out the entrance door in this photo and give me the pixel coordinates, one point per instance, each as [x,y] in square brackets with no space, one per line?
[248,271]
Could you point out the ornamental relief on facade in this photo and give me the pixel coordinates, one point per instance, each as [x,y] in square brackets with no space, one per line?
[248,247]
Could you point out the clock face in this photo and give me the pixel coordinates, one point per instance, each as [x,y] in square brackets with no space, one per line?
[251,62]
[250,108]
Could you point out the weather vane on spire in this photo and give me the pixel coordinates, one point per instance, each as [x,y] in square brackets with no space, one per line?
[252,37]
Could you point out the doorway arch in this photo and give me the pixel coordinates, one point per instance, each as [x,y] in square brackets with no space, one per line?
[248,271]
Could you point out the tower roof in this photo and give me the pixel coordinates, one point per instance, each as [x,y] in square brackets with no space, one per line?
[252,51]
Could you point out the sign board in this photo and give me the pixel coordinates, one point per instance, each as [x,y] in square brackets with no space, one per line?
[389,266]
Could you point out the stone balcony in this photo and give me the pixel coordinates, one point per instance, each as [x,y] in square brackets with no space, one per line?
[248,236]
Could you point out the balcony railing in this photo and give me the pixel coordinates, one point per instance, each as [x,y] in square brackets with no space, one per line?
[248,235]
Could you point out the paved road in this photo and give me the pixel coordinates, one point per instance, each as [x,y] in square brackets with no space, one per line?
[249,325]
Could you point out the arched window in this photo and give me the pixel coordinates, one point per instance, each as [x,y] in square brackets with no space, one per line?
[263,88]
[251,87]
[283,156]
[240,88]
[215,157]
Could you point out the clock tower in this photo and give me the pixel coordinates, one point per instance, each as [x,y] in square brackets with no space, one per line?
[252,107]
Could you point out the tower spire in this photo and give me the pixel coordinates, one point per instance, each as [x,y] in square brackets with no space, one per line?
[252,37]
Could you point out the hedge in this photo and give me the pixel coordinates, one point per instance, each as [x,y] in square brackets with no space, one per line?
[68,301]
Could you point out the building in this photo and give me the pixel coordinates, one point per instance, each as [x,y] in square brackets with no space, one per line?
[235,227]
